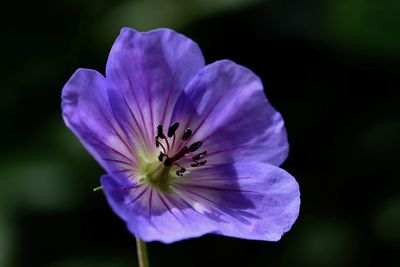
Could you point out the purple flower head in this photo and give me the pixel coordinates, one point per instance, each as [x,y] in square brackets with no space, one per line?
[188,148]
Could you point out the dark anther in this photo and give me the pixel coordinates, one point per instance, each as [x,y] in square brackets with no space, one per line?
[180,172]
[197,164]
[156,140]
[161,156]
[168,162]
[187,134]
[160,132]
[200,156]
[193,147]
[172,129]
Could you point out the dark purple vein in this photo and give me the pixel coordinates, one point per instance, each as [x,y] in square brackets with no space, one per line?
[138,196]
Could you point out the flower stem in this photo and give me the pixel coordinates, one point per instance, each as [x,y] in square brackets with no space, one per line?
[142,253]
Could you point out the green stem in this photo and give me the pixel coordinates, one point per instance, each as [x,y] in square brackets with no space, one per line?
[142,253]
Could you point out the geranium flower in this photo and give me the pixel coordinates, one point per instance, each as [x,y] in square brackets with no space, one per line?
[188,148]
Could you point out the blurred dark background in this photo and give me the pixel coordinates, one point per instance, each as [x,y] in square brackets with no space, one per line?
[330,67]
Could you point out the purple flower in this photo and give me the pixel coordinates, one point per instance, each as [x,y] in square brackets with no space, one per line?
[189,148]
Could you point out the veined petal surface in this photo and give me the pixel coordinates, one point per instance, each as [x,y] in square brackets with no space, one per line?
[87,112]
[148,71]
[227,109]
[246,200]
[152,215]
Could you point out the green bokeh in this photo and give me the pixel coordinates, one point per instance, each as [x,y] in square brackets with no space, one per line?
[330,67]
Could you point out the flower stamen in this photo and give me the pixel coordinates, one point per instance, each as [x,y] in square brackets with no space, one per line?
[198,164]
[160,144]
[193,147]
[200,156]
[161,156]
[181,171]
[182,149]
[172,129]
[186,134]
[171,132]
[160,134]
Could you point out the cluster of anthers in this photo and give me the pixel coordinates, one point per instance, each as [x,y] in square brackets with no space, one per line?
[183,152]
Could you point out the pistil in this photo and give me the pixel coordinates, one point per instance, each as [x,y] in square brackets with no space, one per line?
[177,156]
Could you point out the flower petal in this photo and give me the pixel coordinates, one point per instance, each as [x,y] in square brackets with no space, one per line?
[228,111]
[246,200]
[153,216]
[254,200]
[87,112]
[150,70]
